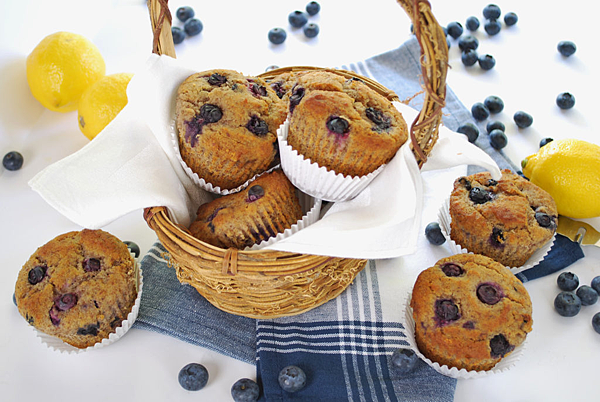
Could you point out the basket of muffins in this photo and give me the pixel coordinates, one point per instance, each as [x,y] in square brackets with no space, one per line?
[270,149]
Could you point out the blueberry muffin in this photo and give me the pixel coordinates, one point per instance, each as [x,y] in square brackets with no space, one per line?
[268,206]
[78,287]
[342,124]
[470,312]
[227,125]
[507,220]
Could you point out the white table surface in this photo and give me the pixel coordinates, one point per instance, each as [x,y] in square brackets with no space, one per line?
[560,362]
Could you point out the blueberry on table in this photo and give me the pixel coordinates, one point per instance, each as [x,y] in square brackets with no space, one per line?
[297,19]
[566,48]
[133,248]
[498,139]
[193,27]
[596,284]
[245,390]
[491,12]
[567,281]
[567,304]
[510,19]
[12,160]
[494,103]
[522,119]
[596,322]
[277,36]
[472,23]
[587,294]
[495,125]
[313,8]
[470,130]
[492,27]
[565,100]
[311,30]
[455,29]
[193,377]
[434,234]
[178,35]
[487,62]
[469,57]
[292,378]
[479,111]
[468,42]
[404,360]
[545,141]
[185,13]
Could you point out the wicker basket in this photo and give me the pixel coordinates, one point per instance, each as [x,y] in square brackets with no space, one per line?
[266,283]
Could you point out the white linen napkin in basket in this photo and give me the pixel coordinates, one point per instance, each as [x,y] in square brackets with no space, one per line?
[132,164]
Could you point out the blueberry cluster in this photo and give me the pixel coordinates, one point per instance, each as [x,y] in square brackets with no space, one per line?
[191,26]
[298,19]
[573,296]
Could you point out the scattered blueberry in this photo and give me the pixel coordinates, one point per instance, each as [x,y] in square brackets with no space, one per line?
[565,100]
[491,12]
[291,378]
[545,141]
[178,35]
[596,322]
[596,284]
[492,27]
[487,62]
[133,248]
[313,8]
[455,29]
[311,30]
[494,103]
[404,360]
[567,304]
[495,125]
[472,23]
[470,130]
[587,294]
[567,281]
[510,19]
[277,36]
[433,232]
[469,58]
[12,161]
[498,139]
[522,119]
[185,13]
[193,377]
[468,42]
[297,19]
[193,27]
[566,48]
[479,111]
[245,390]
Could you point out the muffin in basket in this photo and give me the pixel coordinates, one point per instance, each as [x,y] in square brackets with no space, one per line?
[227,124]
[507,220]
[342,124]
[268,206]
[78,287]
[470,312]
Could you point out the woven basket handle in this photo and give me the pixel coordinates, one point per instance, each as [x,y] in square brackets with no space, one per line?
[160,18]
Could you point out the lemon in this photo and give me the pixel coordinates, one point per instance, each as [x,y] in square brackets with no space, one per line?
[101,102]
[570,171]
[61,67]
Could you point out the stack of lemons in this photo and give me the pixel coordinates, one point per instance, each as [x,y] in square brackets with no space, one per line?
[66,72]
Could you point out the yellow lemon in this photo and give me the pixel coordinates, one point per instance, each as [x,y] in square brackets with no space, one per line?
[101,102]
[61,67]
[570,171]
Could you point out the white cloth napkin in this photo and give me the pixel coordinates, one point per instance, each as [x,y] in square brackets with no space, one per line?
[132,164]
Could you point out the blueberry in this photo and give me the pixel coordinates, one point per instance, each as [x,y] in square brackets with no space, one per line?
[185,13]
[510,19]
[193,27]
[489,293]
[133,248]
[565,100]
[479,195]
[12,161]
[587,294]
[472,23]
[470,130]
[433,232]
[256,89]
[499,346]
[270,68]
[468,42]
[491,12]
[277,36]
[257,126]
[296,97]
[567,304]
[91,329]
[522,119]
[245,390]
[451,269]
[479,111]
[498,139]
[91,265]
[596,284]
[455,29]
[497,237]
[14,299]
[446,311]
[66,301]
[566,48]
[311,30]
[494,103]
[487,62]
[596,322]
[291,378]
[544,220]
[492,27]
[382,122]
[297,19]
[36,274]
[193,377]
[545,141]
[313,8]
[178,35]
[254,193]
[210,113]
[338,125]
[469,58]
[404,360]
[567,281]
[495,125]
[217,79]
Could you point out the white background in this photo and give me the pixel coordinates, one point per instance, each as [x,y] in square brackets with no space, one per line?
[562,354]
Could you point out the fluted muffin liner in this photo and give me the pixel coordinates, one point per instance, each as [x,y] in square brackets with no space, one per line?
[316,180]
[444,219]
[58,345]
[503,365]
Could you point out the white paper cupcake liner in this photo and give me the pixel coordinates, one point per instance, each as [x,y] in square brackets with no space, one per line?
[316,180]
[58,345]
[444,219]
[502,366]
